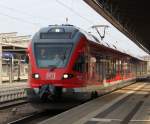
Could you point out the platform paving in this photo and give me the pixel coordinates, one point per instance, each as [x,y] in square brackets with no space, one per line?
[130,105]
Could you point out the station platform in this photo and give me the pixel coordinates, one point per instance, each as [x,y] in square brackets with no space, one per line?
[12,91]
[130,105]
[15,85]
[6,78]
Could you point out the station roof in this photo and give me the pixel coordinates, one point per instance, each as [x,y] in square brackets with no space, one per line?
[131,17]
[11,42]
[8,47]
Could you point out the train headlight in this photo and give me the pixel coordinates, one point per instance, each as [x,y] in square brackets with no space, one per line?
[65,76]
[36,76]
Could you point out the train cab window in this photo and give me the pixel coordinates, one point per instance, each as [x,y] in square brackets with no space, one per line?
[80,64]
[52,55]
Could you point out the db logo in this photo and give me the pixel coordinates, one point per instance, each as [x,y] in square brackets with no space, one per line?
[50,76]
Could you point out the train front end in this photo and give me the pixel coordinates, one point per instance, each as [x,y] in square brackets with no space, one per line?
[52,53]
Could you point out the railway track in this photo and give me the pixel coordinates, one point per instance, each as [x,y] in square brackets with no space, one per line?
[15,109]
[39,116]
[36,117]
[14,103]
[22,112]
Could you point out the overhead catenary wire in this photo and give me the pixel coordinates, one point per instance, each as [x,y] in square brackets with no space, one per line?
[39,18]
[19,19]
[24,13]
[75,12]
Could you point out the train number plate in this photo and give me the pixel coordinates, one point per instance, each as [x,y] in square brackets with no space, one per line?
[50,76]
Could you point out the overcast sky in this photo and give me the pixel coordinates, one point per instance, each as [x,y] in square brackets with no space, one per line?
[27,16]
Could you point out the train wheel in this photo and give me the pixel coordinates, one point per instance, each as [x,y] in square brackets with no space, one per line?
[44,97]
[94,94]
[57,93]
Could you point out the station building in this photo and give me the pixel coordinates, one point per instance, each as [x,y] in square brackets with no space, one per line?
[12,55]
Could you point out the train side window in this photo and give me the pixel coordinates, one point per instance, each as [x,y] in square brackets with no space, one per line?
[80,64]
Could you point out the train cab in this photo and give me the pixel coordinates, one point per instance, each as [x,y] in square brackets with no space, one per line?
[66,57]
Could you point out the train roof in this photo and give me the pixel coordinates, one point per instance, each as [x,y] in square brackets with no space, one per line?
[113,48]
[63,28]
[72,29]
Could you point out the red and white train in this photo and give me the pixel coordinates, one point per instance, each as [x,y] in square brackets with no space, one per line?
[64,58]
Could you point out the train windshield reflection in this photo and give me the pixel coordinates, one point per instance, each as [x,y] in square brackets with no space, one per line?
[52,55]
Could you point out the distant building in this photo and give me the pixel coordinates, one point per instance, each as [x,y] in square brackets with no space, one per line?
[13,52]
[13,39]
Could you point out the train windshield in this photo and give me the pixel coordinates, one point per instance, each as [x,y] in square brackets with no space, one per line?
[52,55]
